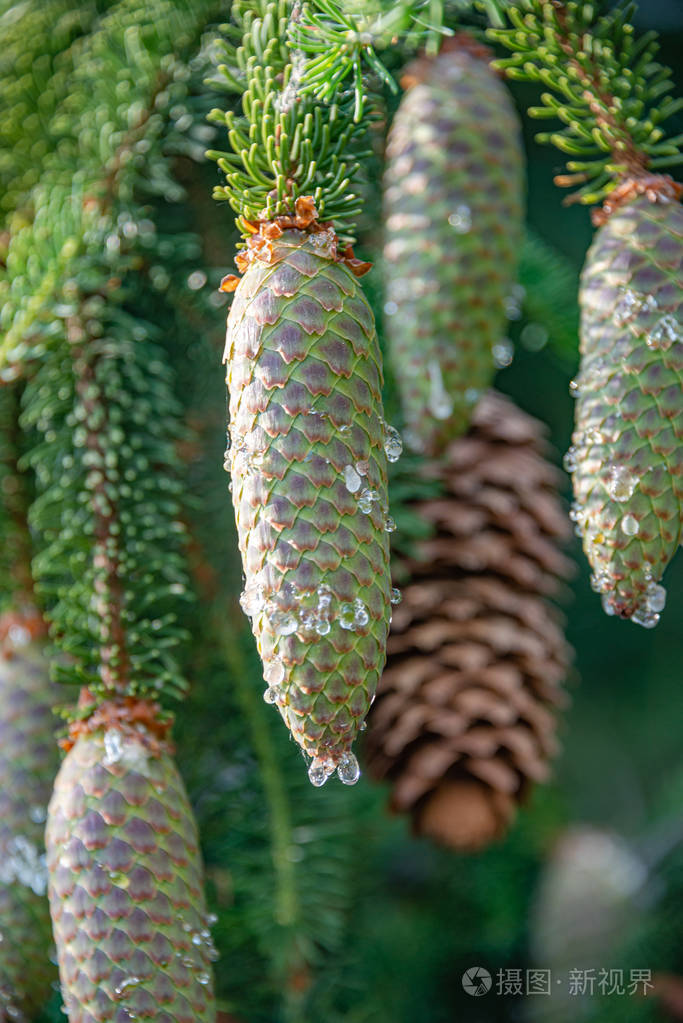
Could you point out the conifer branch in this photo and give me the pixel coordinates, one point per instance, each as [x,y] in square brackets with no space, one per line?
[605,86]
[301,127]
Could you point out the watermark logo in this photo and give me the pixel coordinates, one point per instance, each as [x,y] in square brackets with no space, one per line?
[476,981]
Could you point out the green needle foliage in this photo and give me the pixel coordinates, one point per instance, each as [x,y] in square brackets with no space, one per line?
[604,84]
[300,73]
[99,405]
[114,126]
[35,64]
[110,565]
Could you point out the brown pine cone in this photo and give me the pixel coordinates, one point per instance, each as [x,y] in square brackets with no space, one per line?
[465,719]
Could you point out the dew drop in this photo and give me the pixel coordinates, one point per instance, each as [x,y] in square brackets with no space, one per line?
[390,308]
[575,388]
[389,525]
[396,596]
[322,626]
[348,770]
[630,525]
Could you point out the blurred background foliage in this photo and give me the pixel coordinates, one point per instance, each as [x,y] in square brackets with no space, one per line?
[327,909]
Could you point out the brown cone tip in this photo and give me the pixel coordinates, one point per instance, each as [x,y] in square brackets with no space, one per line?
[465,718]
[464,815]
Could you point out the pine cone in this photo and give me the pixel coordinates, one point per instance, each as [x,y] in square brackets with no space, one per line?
[627,452]
[453,208]
[464,718]
[309,486]
[125,886]
[28,764]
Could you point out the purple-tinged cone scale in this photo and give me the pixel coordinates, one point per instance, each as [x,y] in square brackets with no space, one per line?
[627,450]
[28,764]
[125,887]
[308,455]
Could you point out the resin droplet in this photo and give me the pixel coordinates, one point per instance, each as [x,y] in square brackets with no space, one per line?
[318,772]
[440,402]
[347,616]
[366,501]
[656,597]
[272,694]
[630,525]
[396,595]
[503,353]
[645,617]
[389,524]
[352,479]
[664,333]
[393,445]
[569,461]
[620,484]
[348,770]
[461,219]
[361,616]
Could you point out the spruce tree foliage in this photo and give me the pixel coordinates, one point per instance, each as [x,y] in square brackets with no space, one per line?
[604,84]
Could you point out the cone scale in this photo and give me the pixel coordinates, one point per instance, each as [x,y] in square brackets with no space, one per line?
[308,458]
[453,210]
[125,889]
[28,763]
[627,450]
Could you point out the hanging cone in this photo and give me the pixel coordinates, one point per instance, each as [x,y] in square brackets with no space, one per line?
[125,883]
[464,719]
[454,211]
[28,764]
[627,451]
[308,461]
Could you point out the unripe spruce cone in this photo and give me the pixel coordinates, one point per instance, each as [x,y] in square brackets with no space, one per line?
[465,717]
[28,764]
[627,450]
[125,884]
[308,456]
[453,209]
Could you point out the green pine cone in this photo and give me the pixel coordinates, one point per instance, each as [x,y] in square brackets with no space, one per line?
[309,485]
[627,453]
[453,208]
[28,764]
[125,887]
